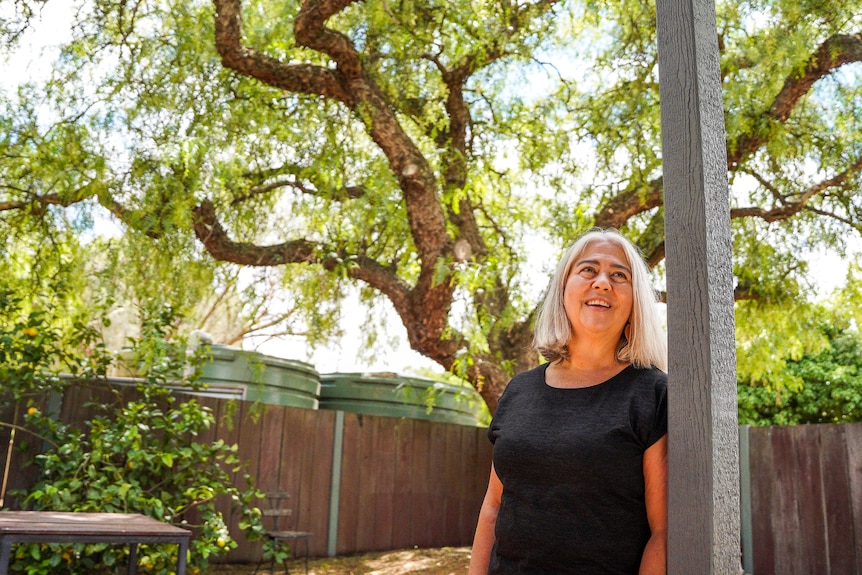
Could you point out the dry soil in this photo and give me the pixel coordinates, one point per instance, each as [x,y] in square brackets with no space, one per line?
[444,561]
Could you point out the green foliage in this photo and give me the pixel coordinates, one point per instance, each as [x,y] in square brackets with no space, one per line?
[140,453]
[532,121]
[34,347]
[829,390]
[800,363]
[769,335]
[447,383]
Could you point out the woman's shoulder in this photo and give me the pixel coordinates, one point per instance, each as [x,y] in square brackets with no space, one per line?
[648,380]
[530,376]
[651,373]
[526,381]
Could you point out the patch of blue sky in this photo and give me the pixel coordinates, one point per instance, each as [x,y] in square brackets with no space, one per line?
[38,45]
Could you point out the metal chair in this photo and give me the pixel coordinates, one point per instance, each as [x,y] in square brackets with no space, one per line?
[276,511]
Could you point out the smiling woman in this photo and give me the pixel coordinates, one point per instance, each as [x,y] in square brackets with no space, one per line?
[645,341]
[598,300]
[578,482]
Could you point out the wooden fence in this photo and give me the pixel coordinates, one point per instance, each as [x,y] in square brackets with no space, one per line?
[357,482]
[363,483]
[805,499]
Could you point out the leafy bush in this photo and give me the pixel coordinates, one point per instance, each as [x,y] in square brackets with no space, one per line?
[137,455]
[33,348]
[829,390]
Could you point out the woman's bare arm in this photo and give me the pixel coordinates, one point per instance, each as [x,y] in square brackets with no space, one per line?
[654,561]
[483,541]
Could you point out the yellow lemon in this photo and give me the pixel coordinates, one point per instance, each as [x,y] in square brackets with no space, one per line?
[32,411]
[30,331]
[130,464]
[221,542]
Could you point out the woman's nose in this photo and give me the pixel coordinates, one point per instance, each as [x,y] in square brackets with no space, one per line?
[601,281]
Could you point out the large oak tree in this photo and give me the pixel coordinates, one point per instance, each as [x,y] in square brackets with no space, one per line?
[420,148]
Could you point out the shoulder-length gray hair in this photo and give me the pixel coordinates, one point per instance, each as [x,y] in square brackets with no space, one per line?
[643,343]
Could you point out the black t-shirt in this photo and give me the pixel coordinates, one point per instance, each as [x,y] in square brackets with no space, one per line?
[571,465]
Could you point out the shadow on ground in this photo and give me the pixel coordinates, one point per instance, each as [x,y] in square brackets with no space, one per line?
[443,561]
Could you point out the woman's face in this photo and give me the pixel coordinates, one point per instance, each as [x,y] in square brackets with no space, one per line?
[598,294]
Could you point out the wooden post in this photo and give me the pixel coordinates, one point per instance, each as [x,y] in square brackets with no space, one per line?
[703,506]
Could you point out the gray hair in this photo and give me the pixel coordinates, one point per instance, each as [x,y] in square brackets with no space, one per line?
[643,343]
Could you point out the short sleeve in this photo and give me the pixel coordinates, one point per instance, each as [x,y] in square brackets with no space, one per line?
[499,415]
[659,427]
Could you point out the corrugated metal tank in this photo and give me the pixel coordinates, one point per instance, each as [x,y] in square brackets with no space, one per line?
[267,379]
[397,396]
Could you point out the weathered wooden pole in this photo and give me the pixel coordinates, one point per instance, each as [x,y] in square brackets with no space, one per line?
[703,485]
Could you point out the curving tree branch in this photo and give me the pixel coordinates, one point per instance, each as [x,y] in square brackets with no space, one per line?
[424,308]
[833,53]
[296,78]
[788,209]
[624,206]
[420,311]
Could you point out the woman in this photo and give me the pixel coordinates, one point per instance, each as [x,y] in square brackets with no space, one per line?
[579,475]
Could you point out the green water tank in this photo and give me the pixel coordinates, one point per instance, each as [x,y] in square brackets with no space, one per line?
[397,396]
[266,378]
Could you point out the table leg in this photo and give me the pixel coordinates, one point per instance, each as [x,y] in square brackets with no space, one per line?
[181,557]
[5,554]
[133,558]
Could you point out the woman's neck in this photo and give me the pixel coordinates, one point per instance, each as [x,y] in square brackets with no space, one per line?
[581,372]
[590,353]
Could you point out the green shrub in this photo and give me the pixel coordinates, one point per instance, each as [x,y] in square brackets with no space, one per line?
[829,390]
[139,455]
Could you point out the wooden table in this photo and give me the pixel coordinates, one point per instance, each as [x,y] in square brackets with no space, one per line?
[78,527]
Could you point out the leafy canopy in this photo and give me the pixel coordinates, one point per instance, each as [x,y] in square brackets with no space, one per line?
[420,148]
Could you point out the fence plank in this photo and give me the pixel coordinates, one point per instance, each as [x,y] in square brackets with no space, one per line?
[838,504]
[291,459]
[382,498]
[403,487]
[437,486]
[762,478]
[367,485]
[272,436]
[249,431]
[853,437]
[422,500]
[810,541]
[206,436]
[468,451]
[348,510]
[229,422]
[316,496]
[784,514]
[453,475]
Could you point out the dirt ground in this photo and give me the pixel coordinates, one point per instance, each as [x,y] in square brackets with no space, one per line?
[443,561]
